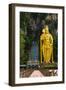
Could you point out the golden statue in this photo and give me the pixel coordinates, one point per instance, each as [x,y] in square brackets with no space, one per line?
[46,46]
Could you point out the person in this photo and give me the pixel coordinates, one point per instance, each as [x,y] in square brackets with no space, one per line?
[46,46]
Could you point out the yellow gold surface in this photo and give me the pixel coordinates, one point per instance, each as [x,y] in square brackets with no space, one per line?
[46,46]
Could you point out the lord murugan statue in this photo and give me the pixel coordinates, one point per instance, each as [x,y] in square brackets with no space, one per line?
[46,46]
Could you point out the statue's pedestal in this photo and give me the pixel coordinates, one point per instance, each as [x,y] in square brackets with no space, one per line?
[49,66]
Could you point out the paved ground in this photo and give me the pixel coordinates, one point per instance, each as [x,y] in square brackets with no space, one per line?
[36,73]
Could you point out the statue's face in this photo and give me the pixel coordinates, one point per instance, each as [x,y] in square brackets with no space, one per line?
[46,30]
[43,30]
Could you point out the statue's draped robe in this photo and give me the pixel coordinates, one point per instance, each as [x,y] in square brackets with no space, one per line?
[46,47]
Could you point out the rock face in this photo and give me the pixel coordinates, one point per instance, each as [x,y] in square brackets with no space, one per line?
[36,73]
[34,53]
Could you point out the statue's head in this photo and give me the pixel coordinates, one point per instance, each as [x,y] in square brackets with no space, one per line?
[46,29]
[43,31]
